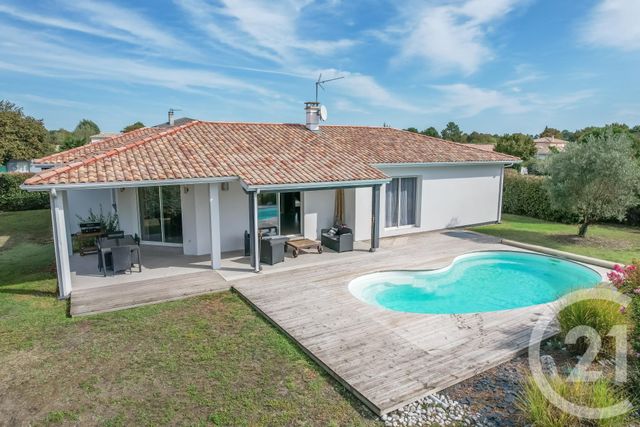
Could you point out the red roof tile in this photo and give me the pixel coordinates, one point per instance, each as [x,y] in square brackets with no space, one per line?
[261,154]
[102,146]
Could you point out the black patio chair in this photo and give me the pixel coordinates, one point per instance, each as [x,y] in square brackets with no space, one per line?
[121,258]
[107,257]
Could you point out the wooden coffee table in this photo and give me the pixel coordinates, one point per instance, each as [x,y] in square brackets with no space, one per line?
[302,244]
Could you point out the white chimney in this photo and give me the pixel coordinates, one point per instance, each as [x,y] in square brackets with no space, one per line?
[312,110]
[171,122]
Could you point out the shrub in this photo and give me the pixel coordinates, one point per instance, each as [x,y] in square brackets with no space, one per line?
[540,412]
[627,280]
[526,195]
[12,198]
[109,222]
[600,315]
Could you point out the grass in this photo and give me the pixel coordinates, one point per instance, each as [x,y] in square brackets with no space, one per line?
[601,315]
[209,360]
[540,412]
[615,243]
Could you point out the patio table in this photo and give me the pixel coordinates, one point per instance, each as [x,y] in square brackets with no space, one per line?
[127,240]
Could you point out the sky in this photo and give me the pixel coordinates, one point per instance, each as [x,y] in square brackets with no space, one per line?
[496,66]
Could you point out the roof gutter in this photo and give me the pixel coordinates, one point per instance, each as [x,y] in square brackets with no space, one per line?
[127,184]
[436,164]
[309,186]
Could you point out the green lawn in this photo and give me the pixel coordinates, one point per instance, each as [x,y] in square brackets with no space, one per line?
[201,361]
[611,242]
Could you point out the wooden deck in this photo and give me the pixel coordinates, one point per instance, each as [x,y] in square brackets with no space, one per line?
[387,358]
[149,291]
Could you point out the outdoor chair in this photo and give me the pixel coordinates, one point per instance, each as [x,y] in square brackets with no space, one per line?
[337,242]
[107,257]
[121,259]
[115,235]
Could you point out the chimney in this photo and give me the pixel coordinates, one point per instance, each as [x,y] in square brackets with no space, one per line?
[312,110]
[171,122]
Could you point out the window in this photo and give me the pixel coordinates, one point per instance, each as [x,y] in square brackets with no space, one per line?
[400,208]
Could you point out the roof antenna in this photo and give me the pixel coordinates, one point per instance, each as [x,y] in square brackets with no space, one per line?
[320,82]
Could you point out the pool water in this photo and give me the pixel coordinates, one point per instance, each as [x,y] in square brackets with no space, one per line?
[476,282]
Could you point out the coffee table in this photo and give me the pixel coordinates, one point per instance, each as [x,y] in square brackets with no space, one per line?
[301,245]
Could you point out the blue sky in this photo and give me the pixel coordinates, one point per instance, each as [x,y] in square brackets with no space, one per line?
[490,65]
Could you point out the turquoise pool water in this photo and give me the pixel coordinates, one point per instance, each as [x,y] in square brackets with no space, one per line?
[476,282]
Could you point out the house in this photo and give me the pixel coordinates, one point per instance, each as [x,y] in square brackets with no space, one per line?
[199,185]
[547,144]
[21,166]
[18,166]
[102,136]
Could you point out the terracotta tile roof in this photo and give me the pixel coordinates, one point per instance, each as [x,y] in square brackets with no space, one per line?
[262,153]
[102,146]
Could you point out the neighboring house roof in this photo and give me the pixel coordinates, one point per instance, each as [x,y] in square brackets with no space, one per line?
[544,144]
[177,122]
[261,154]
[96,148]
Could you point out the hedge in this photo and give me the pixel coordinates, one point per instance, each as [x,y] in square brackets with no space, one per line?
[526,195]
[12,198]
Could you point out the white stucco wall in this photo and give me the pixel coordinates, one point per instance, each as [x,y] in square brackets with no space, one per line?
[320,205]
[234,217]
[448,197]
[362,214]
[127,202]
[78,202]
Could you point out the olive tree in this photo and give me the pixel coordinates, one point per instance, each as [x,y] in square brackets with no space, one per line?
[596,179]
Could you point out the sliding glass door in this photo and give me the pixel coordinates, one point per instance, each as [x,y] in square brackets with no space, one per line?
[400,207]
[280,212]
[160,214]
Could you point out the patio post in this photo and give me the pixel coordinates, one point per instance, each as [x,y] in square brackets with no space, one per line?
[214,218]
[375,217]
[253,231]
[60,243]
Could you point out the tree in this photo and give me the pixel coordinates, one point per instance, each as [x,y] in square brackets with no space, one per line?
[596,179]
[431,131]
[517,144]
[452,132]
[85,130]
[82,134]
[134,126]
[481,138]
[616,129]
[551,132]
[21,137]
[568,135]
[414,130]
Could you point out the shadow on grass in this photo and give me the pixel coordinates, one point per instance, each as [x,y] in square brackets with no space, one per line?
[31,292]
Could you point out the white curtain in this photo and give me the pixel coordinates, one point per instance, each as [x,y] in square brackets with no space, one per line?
[407,201]
[391,203]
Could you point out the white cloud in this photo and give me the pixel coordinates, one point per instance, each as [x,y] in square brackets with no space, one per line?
[467,101]
[452,36]
[613,23]
[266,30]
[107,21]
[37,55]
[366,88]
[470,101]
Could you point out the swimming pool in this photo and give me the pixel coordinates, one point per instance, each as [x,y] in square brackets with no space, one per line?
[476,282]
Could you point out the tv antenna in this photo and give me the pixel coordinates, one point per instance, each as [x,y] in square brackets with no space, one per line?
[320,82]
